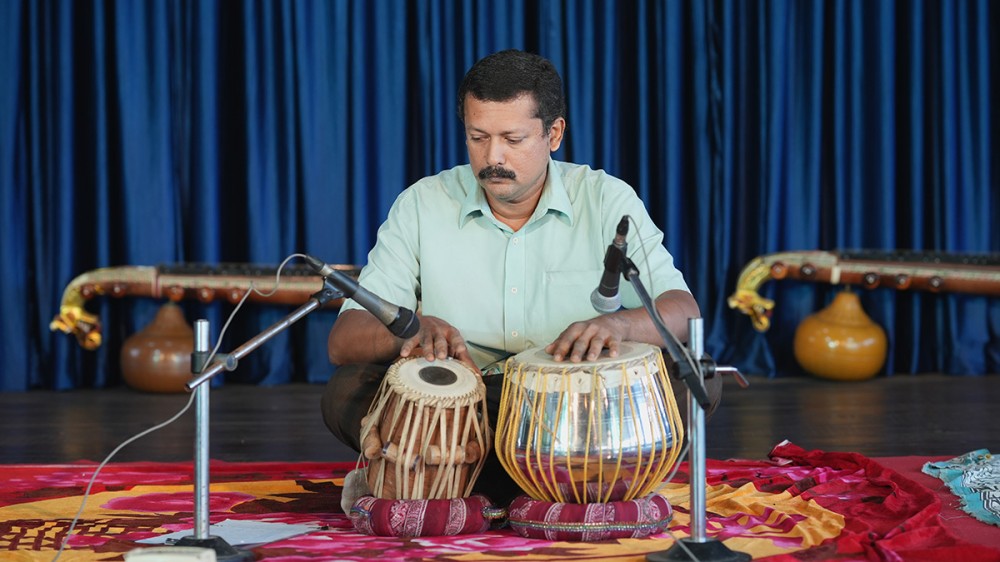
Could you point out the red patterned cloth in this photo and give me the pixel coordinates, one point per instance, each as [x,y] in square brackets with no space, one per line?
[798,505]
[641,517]
[423,518]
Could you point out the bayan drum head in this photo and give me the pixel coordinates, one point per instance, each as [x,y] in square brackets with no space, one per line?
[637,359]
[442,378]
[627,350]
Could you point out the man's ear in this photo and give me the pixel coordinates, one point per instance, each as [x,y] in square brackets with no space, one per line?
[556,132]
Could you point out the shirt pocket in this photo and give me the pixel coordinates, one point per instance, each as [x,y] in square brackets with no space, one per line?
[584,277]
[566,298]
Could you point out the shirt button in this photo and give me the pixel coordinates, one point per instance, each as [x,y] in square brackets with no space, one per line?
[515,241]
[514,333]
[513,290]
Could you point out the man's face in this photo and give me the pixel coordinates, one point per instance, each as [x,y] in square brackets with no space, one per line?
[508,150]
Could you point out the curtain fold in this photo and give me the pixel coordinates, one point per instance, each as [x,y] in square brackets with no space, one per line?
[145,133]
[19,334]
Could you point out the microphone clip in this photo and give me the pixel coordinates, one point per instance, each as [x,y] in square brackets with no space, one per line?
[328,293]
[684,371]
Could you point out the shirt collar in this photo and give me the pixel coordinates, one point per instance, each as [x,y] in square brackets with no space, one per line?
[554,199]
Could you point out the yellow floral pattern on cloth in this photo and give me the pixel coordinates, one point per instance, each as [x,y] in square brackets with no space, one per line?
[758,523]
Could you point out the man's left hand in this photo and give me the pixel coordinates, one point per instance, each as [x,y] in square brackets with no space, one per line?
[588,338]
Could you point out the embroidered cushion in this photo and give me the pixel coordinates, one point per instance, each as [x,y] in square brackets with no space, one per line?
[636,518]
[423,518]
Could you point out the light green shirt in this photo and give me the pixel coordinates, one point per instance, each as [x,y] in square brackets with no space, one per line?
[509,291]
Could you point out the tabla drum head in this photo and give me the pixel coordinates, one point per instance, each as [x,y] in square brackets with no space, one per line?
[441,378]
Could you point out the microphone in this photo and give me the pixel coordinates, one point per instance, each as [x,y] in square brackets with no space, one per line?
[402,322]
[605,297]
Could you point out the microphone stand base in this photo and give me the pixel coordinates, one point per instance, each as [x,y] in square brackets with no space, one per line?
[712,550]
[224,552]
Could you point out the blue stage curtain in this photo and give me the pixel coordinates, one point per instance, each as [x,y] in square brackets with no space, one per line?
[858,125]
[158,132]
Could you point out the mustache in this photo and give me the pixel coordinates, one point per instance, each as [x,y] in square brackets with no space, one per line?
[496,172]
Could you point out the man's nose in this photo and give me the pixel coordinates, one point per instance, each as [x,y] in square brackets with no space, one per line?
[496,152]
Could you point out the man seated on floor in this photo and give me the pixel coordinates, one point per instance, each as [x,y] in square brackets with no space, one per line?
[502,255]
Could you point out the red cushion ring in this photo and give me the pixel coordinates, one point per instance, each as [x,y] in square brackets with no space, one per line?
[423,518]
[553,521]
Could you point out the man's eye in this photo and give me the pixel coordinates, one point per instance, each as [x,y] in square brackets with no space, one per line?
[514,141]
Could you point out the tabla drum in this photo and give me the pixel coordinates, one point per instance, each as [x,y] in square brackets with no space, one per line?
[427,432]
[589,432]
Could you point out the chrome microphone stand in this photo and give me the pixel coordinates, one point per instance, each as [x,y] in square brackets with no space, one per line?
[690,367]
[698,547]
[202,374]
[202,537]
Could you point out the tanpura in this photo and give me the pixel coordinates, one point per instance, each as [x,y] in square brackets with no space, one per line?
[841,342]
[157,358]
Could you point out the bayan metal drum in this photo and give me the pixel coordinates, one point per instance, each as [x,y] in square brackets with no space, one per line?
[590,432]
[427,432]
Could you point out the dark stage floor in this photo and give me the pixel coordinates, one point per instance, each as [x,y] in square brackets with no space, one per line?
[886,416]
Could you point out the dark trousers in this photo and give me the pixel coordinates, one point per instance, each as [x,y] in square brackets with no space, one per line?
[352,389]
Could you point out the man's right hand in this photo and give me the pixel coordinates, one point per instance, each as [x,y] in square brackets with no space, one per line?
[437,339]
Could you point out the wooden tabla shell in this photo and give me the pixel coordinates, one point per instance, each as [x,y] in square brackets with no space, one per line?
[427,432]
[595,431]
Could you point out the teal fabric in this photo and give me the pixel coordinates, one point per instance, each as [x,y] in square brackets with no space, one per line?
[509,291]
[975,478]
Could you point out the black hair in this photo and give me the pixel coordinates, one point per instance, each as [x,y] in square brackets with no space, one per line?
[507,75]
